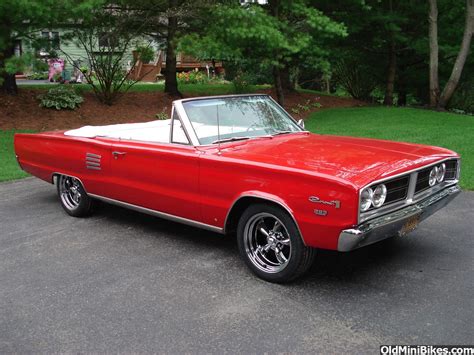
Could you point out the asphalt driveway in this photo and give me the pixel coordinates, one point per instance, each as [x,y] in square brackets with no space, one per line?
[121,281]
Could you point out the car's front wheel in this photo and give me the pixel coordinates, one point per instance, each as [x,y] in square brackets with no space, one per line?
[73,197]
[271,245]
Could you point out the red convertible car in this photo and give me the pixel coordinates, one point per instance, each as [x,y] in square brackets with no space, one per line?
[240,164]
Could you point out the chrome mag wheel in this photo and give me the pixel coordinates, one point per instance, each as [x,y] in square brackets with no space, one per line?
[267,242]
[70,192]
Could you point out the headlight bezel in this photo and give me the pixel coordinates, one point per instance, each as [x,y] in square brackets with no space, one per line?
[441,173]
[366,201]
[383,196]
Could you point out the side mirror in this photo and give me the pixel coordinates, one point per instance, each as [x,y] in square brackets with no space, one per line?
[301,123]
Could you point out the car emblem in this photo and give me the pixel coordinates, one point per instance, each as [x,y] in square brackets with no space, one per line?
[335,203]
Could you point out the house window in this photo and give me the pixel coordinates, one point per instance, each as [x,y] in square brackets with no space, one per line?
[54,40]
[107,40]
[51,39]
[18,48]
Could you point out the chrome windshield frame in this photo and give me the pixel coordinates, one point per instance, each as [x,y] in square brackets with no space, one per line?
[188,126]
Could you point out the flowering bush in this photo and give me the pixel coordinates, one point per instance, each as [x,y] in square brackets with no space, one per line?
[192,77]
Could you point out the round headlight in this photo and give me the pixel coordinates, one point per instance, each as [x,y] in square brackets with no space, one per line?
[379,196]
[441,172]
[366,199]
[433,175]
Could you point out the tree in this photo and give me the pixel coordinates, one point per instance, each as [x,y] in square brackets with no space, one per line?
[280,35]
[434,53]
[453,81]
[24,19]
[106,37]
[171,82]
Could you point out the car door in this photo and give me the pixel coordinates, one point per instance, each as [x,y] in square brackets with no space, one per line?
[160,176]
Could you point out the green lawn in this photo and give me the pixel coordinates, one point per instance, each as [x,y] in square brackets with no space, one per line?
[186,89]
[9,169]
[448,130]
[443,129]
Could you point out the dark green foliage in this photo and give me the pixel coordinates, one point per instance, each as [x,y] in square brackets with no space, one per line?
[282,34]
[26,19]
[463,99]
[256,74]
[61,97]
[356,78]
[145,53]
[242,82]
[38,76]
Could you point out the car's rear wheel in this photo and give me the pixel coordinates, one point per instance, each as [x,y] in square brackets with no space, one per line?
[73,197]
[271,245]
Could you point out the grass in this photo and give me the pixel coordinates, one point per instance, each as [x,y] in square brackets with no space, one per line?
[9,169]
[447,130]
[186,89]
[452,131]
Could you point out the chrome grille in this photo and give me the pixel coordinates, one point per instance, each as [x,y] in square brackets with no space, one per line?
[410,187]
[397,189]
[451,170]
[422,180]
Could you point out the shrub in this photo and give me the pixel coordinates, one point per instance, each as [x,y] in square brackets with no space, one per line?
[60,97]
[192,77]
[162,115]
[146,54]
[463,98]
[38,76]
[355,78]
[242,82]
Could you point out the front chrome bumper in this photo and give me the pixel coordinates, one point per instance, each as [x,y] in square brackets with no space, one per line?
[392,223]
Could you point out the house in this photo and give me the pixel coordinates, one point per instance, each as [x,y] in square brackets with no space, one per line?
[59,42]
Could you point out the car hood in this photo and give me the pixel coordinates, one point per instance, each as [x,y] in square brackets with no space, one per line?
[355,160]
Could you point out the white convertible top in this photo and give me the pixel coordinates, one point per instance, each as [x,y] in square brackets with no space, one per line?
[154,131]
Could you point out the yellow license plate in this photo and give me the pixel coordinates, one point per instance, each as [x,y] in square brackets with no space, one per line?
[410,225]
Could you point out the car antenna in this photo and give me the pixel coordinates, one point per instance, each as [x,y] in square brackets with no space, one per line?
[218,132]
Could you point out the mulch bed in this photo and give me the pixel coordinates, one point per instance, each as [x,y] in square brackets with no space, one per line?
[22,111]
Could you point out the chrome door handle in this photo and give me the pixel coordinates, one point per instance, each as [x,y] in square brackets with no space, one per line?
[117,154]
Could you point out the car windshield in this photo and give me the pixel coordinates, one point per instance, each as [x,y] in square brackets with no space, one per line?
[233,118]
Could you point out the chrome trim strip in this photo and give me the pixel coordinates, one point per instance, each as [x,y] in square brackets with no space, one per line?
[364,216]
[263,199]
[91,155]
[92,163]
[216,97]
[163,215]
[93,167]
[97,160]
[187,126]
[173,111]
[390,224]
[56,174]
[411,186]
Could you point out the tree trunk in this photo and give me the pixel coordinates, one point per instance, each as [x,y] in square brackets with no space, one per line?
[391,72]
[402,87]
[453,81]
[9,82]
[433,35]
[274,6]
[171,83]
[278,86]
[286,83]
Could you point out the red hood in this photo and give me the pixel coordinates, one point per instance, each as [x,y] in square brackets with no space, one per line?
[356,160]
